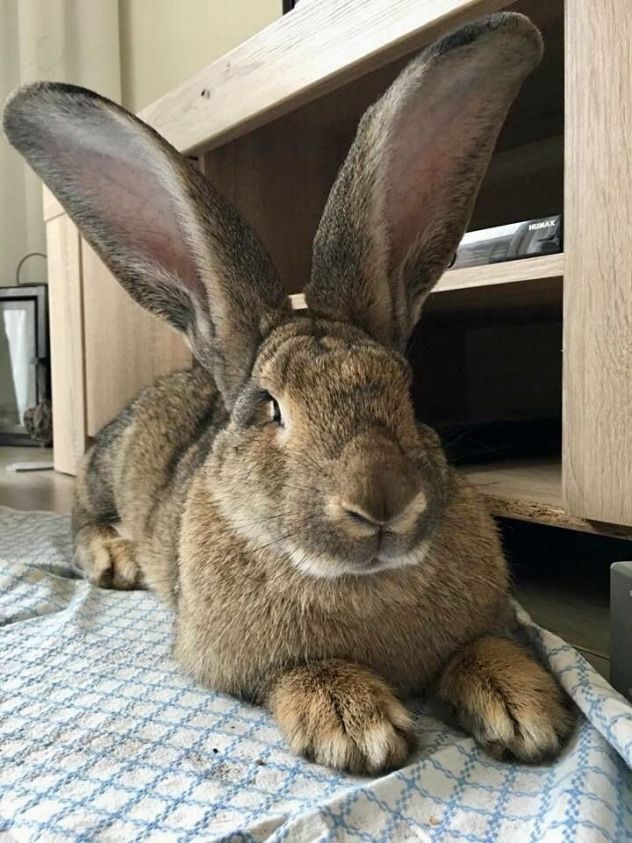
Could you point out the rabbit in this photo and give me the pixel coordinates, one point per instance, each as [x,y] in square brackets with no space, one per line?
[321,557]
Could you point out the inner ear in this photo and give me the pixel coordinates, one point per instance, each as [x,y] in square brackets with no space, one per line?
[434,160]
[114,173]
[177,247]
[405,193]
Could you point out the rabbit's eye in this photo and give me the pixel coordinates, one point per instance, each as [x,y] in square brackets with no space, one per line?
[276,412]
[273,409]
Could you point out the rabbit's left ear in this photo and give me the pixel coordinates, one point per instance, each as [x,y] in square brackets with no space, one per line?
[175,245]
[405,194]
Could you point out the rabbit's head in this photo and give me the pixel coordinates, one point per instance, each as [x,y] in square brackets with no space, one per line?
[322,457]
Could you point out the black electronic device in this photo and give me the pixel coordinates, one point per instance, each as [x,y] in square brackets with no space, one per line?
[510,242]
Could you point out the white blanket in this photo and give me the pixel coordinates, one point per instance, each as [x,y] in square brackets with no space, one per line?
[103,738]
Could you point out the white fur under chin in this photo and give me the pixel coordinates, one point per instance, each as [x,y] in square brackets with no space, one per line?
[325,567]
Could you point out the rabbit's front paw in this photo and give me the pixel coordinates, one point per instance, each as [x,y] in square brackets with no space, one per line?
[107,559]
[341,715]
[507,701]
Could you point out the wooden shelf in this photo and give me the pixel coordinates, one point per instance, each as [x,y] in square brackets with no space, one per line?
[509,272]
[519,482]
[302,56]
[531,490]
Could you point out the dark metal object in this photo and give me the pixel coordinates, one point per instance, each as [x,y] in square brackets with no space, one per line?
[621,627]
[527,239]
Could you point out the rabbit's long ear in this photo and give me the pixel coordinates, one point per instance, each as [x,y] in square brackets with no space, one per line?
[404,196]
[174,244]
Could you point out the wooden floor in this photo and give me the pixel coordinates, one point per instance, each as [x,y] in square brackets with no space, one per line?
[577,614]
[33,489]
[582,620]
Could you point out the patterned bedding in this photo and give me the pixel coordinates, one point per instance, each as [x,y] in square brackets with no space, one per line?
[103,738]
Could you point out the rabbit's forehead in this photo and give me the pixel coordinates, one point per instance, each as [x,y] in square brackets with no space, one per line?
[310,364]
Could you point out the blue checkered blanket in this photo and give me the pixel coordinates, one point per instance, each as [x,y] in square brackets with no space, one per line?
[103,738]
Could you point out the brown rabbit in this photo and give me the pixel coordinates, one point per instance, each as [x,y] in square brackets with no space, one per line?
[320,555]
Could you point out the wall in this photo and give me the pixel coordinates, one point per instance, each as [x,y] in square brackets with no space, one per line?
[62,40]
[130,50]
[163,41]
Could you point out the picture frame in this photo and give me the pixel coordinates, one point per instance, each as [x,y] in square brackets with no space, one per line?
[24,359]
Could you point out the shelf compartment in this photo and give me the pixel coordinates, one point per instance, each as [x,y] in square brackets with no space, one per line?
[531,490]
[275,112]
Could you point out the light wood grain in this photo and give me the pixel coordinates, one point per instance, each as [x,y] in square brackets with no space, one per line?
[65,288]
[305,54]
[528,300]
[509,272]
[520,480]
[531,490]
[598,277]
[125,346]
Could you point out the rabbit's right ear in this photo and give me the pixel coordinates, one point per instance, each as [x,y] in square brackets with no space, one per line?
[404,196]
[175,245]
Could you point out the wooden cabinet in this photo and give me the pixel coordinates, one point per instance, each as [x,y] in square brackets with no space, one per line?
[545,337]
[597,455]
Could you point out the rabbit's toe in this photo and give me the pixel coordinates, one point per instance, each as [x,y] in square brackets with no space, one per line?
[108,560]
[342,716]
[507,701]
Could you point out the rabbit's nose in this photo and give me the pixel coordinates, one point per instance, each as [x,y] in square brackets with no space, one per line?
[360,517]
[377,497]
[379,492]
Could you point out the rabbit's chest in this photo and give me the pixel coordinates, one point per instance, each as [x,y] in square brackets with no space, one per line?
[236,636]
[243,616]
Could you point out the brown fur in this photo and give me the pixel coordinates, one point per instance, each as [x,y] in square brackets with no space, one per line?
[320,555]
[342,715]
[510,704]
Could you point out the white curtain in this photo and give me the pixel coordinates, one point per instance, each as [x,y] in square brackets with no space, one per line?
[19,331]
[61,40]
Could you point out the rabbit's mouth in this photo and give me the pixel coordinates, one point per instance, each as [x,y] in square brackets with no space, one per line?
[386,561]
[331,566]
[355,537]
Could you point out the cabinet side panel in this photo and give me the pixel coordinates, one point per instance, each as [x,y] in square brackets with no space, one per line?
[126,347]
[66,340]
[597,455]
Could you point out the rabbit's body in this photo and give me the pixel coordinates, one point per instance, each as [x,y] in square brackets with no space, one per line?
[403,624]
[150,486]
[317,550]
[133,482]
